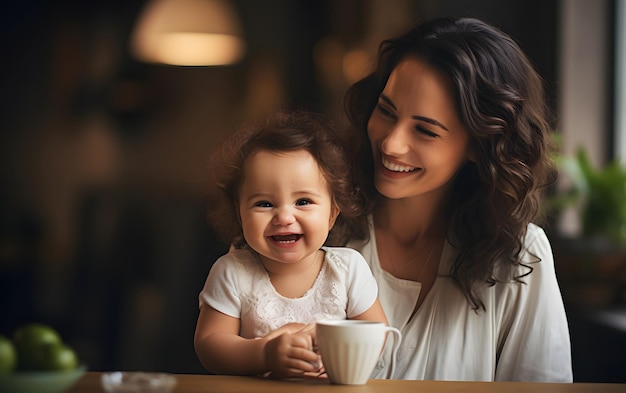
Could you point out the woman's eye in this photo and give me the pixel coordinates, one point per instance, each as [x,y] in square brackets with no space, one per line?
[426,132]
[384,111]
[303,202]
[263,204]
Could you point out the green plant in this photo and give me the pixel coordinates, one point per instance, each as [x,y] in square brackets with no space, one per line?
[600,194]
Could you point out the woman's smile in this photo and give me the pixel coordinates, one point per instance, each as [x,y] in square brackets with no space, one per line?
[397,167]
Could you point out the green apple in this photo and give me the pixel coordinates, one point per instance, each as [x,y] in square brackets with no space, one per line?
[8,355]
[29,339]
[56,357]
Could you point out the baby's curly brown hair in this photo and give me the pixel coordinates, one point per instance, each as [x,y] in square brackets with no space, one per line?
[283,131]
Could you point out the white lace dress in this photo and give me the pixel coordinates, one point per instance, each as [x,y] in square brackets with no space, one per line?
[238,285]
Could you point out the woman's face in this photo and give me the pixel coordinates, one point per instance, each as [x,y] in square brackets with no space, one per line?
[417,138]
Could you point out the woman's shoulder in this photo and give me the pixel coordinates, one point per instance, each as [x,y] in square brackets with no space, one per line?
[536,245]
[534,231]
[535,258]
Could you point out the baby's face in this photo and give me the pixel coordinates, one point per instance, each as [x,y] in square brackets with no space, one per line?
[285,205]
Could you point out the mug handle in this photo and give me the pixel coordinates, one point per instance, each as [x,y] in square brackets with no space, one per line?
[396,345]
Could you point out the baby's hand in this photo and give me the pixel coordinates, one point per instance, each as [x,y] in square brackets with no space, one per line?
[288,328]
[289,351]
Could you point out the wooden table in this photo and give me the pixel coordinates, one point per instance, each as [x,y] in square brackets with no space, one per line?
[191,383]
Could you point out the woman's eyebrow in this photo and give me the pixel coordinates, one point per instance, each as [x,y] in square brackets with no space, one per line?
[388,101]
[430,121]
[416,117]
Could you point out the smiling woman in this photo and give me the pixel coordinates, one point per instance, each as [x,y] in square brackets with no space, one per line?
[452,129]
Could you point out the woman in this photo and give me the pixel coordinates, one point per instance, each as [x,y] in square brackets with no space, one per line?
[455,151]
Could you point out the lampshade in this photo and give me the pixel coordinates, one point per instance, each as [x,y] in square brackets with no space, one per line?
[188,33]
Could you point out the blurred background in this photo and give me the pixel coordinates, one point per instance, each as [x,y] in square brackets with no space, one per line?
[103,152]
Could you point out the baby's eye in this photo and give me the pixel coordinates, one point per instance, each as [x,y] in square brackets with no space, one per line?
[263,204]
[303,202]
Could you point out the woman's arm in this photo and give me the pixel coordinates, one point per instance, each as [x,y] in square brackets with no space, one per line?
[534,337]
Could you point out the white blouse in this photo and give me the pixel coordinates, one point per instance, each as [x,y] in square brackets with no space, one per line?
[522,336]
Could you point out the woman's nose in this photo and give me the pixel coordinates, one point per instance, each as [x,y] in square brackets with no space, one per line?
[283,216]
[396,141]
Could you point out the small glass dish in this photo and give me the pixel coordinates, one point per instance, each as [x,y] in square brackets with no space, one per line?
[135,381]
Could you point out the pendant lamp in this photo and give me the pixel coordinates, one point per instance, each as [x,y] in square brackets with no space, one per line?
[188,33]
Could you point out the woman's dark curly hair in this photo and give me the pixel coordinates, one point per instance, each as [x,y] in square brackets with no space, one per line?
[283,131]
[500,100]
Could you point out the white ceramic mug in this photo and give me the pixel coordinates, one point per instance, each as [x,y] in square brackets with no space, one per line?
[350,348]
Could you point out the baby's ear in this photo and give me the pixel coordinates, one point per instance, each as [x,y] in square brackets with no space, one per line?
[237,212]
[334,213]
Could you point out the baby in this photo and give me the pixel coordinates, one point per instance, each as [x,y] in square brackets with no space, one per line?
[283,194]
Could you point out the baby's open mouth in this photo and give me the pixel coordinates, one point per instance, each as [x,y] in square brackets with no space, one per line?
[292,238]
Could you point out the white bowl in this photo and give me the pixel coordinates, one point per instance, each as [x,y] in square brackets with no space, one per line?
[144,382]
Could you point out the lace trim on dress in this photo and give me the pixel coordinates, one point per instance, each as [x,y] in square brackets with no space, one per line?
[326,299]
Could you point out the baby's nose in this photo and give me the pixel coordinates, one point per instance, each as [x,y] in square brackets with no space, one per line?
[283,216]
